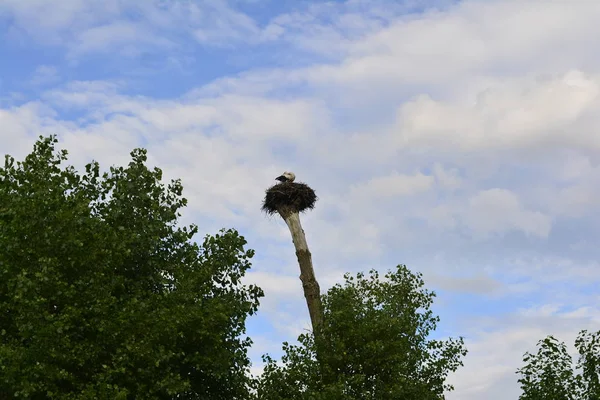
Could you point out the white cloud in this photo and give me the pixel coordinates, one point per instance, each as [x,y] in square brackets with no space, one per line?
[275,284]
[222,147]
[425,135]
[521,114]
[472,36]
[480,284]
[21,125]
[549,270]
[394,185]
[44,75]
[221,25]
[120,37]
[492,373]
[499,210]
[53,23]
[447,178]
[441,217]
[85,27]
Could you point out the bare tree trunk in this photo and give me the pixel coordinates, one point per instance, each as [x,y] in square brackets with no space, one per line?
[312,292]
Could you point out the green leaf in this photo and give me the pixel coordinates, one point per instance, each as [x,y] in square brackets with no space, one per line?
[374,345]
[104,296]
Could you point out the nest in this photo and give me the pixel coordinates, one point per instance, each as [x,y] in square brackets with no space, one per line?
[289,196]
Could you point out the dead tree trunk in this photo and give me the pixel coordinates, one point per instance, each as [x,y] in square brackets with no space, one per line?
[289,199]
[312,292]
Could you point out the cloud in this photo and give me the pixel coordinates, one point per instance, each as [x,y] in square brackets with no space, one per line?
[224,143]
[21,124]
[447,178]
[499,210]
[53,24]
[45,75]
[530,114]
[124,27]
[221,25]
[470,37]
[493,374]
[394,185]
[124,38]
[458,138]
[481,284]
[276,284]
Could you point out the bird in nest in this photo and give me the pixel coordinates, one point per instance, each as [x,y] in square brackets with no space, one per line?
[286,177]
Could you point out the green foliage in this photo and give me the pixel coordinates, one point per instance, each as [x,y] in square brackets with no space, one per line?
[588,347]
[102,296]
[374,345]
[549,374]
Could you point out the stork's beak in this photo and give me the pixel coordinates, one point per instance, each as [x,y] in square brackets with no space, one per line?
[281,178]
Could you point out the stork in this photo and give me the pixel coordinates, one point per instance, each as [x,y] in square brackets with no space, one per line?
[286,177]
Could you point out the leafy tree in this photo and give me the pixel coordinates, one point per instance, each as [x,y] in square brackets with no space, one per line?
[374,345]
[549,373]
[102,296]
[588,347]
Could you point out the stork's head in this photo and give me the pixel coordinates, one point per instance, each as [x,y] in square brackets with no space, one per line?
[286,177]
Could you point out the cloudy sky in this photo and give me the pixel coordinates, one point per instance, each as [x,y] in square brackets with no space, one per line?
[459,138]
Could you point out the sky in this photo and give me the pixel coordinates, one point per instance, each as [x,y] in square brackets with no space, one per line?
[461,138]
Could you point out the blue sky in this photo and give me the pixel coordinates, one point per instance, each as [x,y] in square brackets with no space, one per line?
[459,138]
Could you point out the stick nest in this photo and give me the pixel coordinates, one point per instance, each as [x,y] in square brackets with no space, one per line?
[292,196]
